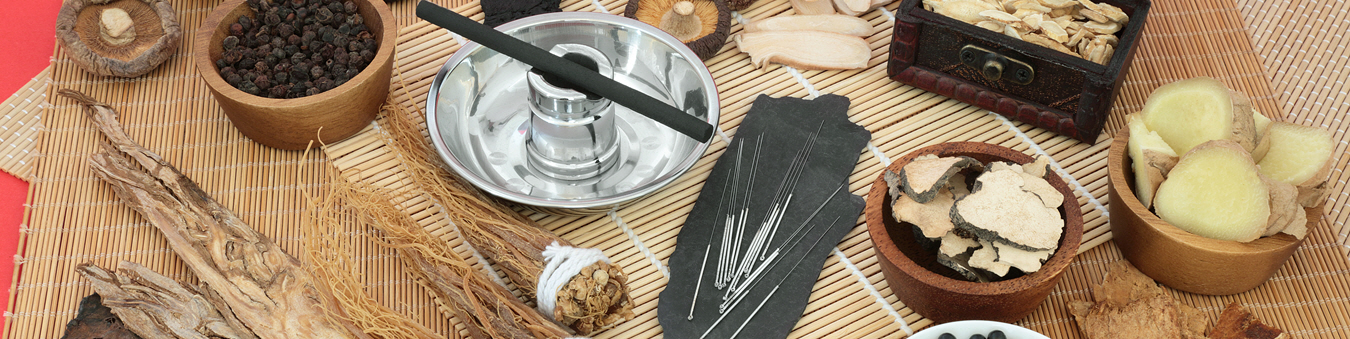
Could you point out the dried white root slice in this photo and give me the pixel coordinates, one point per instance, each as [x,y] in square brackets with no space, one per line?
[986,258]
[999,208]
[1047,42]
[813,7]
[805,50]
[1151,157]
[1102,28]
[964,10]
[1053,30]
[953,244]
[892,184]
[1215,192]
[957,184]
[1189,112]
[922,178]
[1300,156]
[991,25]
[1285,212]
[933,217]
[1002,16]
[1038,167]
[1050,197]
[835,23]
[1027,261]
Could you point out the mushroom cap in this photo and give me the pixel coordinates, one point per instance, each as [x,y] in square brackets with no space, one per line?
[715,28]
[157,36]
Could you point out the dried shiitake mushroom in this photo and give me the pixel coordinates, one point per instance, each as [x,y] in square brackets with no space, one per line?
[700,24]
[124,38]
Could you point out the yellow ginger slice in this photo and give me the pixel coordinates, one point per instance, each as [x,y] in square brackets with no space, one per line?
[1262,123]
[1301,156]
[1189,112]
[1215,192]
[1151,157]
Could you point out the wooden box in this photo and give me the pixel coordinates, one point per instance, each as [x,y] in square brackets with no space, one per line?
[1034,84]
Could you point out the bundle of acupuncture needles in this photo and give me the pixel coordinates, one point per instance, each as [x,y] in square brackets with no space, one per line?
[737,269]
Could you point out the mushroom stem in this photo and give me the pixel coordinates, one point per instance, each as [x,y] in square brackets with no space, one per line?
[681,21]
[116,26]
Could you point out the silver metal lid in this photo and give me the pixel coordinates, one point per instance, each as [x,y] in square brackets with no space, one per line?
[482,120]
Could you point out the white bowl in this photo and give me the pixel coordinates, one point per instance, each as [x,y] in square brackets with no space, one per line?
[966,328]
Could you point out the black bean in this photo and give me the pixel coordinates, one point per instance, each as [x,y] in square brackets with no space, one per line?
[946,336]
[977,336]
[996,334]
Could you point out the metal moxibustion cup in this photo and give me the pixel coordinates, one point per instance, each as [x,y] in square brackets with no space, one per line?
[572,134]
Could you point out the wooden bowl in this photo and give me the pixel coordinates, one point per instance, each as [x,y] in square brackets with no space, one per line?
[292,123]
[1182,260]
[938,292]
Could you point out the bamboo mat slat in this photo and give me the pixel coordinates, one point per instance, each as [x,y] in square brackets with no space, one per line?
[21,125]
[74,217]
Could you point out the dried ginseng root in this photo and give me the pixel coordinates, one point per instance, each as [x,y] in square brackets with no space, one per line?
[265,288]
[487,309]
[154,306]
[588,298]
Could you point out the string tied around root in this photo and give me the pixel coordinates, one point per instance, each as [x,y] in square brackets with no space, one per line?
[561,263]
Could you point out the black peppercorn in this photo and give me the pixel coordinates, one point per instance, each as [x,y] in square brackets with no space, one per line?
[316,72]
[277,42]
[231,56]
[220,63]
[338,18]
[282,77]
[296,3]
[262,81]
[340,41]
[245,23]
[350,6]
[352,72]
[236,29]
[367,55]
[312,91]
[369,44]
[323,15]
[230,42]
[291,49]
[302,13]
[234,79]
[285,30]
[328,36]
[323,84]
[272,19]
[299,74]
[249,87]
[246,63]
[341,58]
[278,91]
[355,20]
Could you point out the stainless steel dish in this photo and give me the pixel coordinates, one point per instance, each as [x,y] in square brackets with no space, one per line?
[546,145]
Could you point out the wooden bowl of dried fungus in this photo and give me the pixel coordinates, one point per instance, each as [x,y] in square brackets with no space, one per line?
[1010,228]
[291,72]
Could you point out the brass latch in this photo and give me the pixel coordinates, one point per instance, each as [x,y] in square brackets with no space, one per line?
[997,67]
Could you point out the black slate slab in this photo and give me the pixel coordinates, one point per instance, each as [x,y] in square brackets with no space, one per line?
[785,125]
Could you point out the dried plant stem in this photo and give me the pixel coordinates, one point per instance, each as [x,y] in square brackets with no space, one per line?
[593,300]
[265,288]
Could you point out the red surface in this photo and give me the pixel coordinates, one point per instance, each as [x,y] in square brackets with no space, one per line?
[27,38]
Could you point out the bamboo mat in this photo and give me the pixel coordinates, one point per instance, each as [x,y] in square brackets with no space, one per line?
[74,218]
[21,127]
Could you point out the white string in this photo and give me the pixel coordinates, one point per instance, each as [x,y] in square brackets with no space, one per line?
[623,226]
[561,263]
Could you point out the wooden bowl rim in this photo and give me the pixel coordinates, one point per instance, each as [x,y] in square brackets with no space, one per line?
[1116,158]
[207,68]
[1049,272]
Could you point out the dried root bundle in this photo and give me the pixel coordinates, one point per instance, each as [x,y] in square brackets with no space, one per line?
[594,299]
[267,290]
[488,309]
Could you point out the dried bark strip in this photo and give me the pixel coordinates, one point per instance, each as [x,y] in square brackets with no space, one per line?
[154,306]
[263,286]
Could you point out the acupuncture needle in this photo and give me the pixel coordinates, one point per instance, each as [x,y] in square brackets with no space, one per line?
[766,298]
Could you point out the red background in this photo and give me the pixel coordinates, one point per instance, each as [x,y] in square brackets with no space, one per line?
[27,38]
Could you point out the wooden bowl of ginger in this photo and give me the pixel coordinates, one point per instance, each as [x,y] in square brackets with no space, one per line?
[938,292]
[1180,259]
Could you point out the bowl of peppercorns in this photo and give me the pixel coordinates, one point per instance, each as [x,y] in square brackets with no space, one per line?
[288,72]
